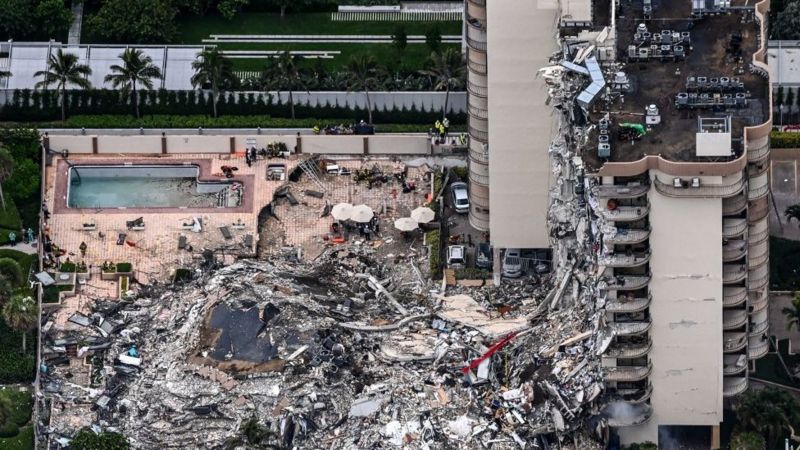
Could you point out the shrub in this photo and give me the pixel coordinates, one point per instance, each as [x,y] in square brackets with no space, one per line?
[9,429]
[433,240]
[12,271]
[783,139]
[15,367]
[461,172]
[124,267]
[68,267]
[109,267]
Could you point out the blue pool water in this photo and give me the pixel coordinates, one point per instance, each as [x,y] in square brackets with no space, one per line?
[147,187]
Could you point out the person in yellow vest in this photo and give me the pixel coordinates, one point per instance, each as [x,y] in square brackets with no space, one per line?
[315,130]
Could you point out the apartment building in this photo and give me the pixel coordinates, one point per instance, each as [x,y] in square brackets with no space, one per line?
[670,116]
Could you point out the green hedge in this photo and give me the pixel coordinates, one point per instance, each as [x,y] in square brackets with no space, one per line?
[9,217]
[434,242]
[16,367]
[221,122]
[12,271]
[124,267]
[25,260]
[40,106]
[784,139]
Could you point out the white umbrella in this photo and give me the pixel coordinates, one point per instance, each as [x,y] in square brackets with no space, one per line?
[423,214]
[342,211]
[361,214]
[406,224]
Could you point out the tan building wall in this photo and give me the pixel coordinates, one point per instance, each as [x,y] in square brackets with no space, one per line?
[521,38]
[127,144]
[75,144]
[686,312]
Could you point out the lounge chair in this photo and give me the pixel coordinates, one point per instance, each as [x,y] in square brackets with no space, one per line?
[248,241]
[182,242]
[226,233]
[121,238]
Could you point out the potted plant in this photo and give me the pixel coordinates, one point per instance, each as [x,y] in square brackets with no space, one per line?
[108,271]
[82,271]
[125,268]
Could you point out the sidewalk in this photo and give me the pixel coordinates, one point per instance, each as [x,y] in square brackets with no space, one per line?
[30,249]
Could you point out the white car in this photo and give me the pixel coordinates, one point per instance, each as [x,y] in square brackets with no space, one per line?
[460,197]
[456,257]
[512,263]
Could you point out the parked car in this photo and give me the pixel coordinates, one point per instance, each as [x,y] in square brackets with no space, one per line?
[456,257]
[460,197]
[484,256]
[512,263]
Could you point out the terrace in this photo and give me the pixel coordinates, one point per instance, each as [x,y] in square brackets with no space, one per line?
[712,53]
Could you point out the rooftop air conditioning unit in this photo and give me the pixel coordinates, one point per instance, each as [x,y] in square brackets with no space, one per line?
[695,182]
[676,182]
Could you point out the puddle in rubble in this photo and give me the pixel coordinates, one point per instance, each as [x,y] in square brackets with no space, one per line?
[241,335]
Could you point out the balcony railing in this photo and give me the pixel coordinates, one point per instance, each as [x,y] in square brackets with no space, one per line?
[480,113]
[479,156]
[480,179]
[625,213]
[759,328]
[633,395]
[733,386]
[754,170]
[758,304]
[733,342]
[733,273]
[758,152]
[475,89]
[628,305]
[629,328]
[620,191]
[733,364]
[725,190]
[758,192]
[757,348]
[628,282]
[481,3]
[733,318]
[628,351]
[734,205]
[627,236]
[733,227]
[758,211]
[754,262]
[479,221]
[639,414]
[758,278]
[479,135]
[624,260]
[627,373]
[758,237]
[734,250]
[733,296]
[476,37]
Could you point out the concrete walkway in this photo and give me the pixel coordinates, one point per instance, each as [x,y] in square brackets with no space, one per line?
[74,37]
[30,249]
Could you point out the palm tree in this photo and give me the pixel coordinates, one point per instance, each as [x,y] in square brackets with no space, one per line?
[21,314]
[792,212]
[447,70]
[793,314]
[769,412]
[63,69]
[747,441]
[213,69]
[6,169]
[136,68]
[362,75]
[284,73]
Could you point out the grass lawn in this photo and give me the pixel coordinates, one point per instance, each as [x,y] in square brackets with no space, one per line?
[414,56]
[25,260]
[9,220]
[23,441]
[193,29]
[784,264]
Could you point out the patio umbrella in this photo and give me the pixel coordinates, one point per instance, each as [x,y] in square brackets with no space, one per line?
[406,224]
[342,211]
[361,214]
[423,214]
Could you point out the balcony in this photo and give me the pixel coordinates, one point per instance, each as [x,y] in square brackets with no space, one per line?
[628,305]
[476,35]
[627,373]
[478,135]
[627,282]
[754,170]
[629,328]
[480,113]
[758,149]
[626,236]
[757,304]
[477,178]
[625,213]
[733,342]
[759,186]
[479,220]
[477,67]
[755,261]
[475,89]
[759,322]
[758,209]
[624,260]
[733,273]
[733,318]
[628,351]
[733,250]
[620,190]
[758,278]
[476,9]
[632,395]
[733,386]
[757,348]
[734,205]
[733,364]
[478,156]
[722,190]
[733,296]
[637,415]
[757,237]
[732,228]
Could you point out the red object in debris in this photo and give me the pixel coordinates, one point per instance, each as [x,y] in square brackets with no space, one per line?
[338,239]
[612,204]
[131,243]
[492,350]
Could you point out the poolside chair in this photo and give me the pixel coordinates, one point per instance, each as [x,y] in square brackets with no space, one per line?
[121,238]
[182,242]
[226,233]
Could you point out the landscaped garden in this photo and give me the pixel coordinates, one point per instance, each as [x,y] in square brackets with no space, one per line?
[784,264]
[16,409]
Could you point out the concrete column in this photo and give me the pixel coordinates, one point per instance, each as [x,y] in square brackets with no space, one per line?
[299,146]
[366,145]
[715,445]
[95,149]
[233,145]
[497,267]
[163,144]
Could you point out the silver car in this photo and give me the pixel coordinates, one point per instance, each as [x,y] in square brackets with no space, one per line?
[460,197]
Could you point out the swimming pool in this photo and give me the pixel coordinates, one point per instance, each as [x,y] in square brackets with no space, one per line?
[138,186]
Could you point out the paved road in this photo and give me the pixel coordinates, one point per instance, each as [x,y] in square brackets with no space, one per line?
[30,249]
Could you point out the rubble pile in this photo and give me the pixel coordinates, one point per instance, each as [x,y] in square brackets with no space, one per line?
[350,351]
